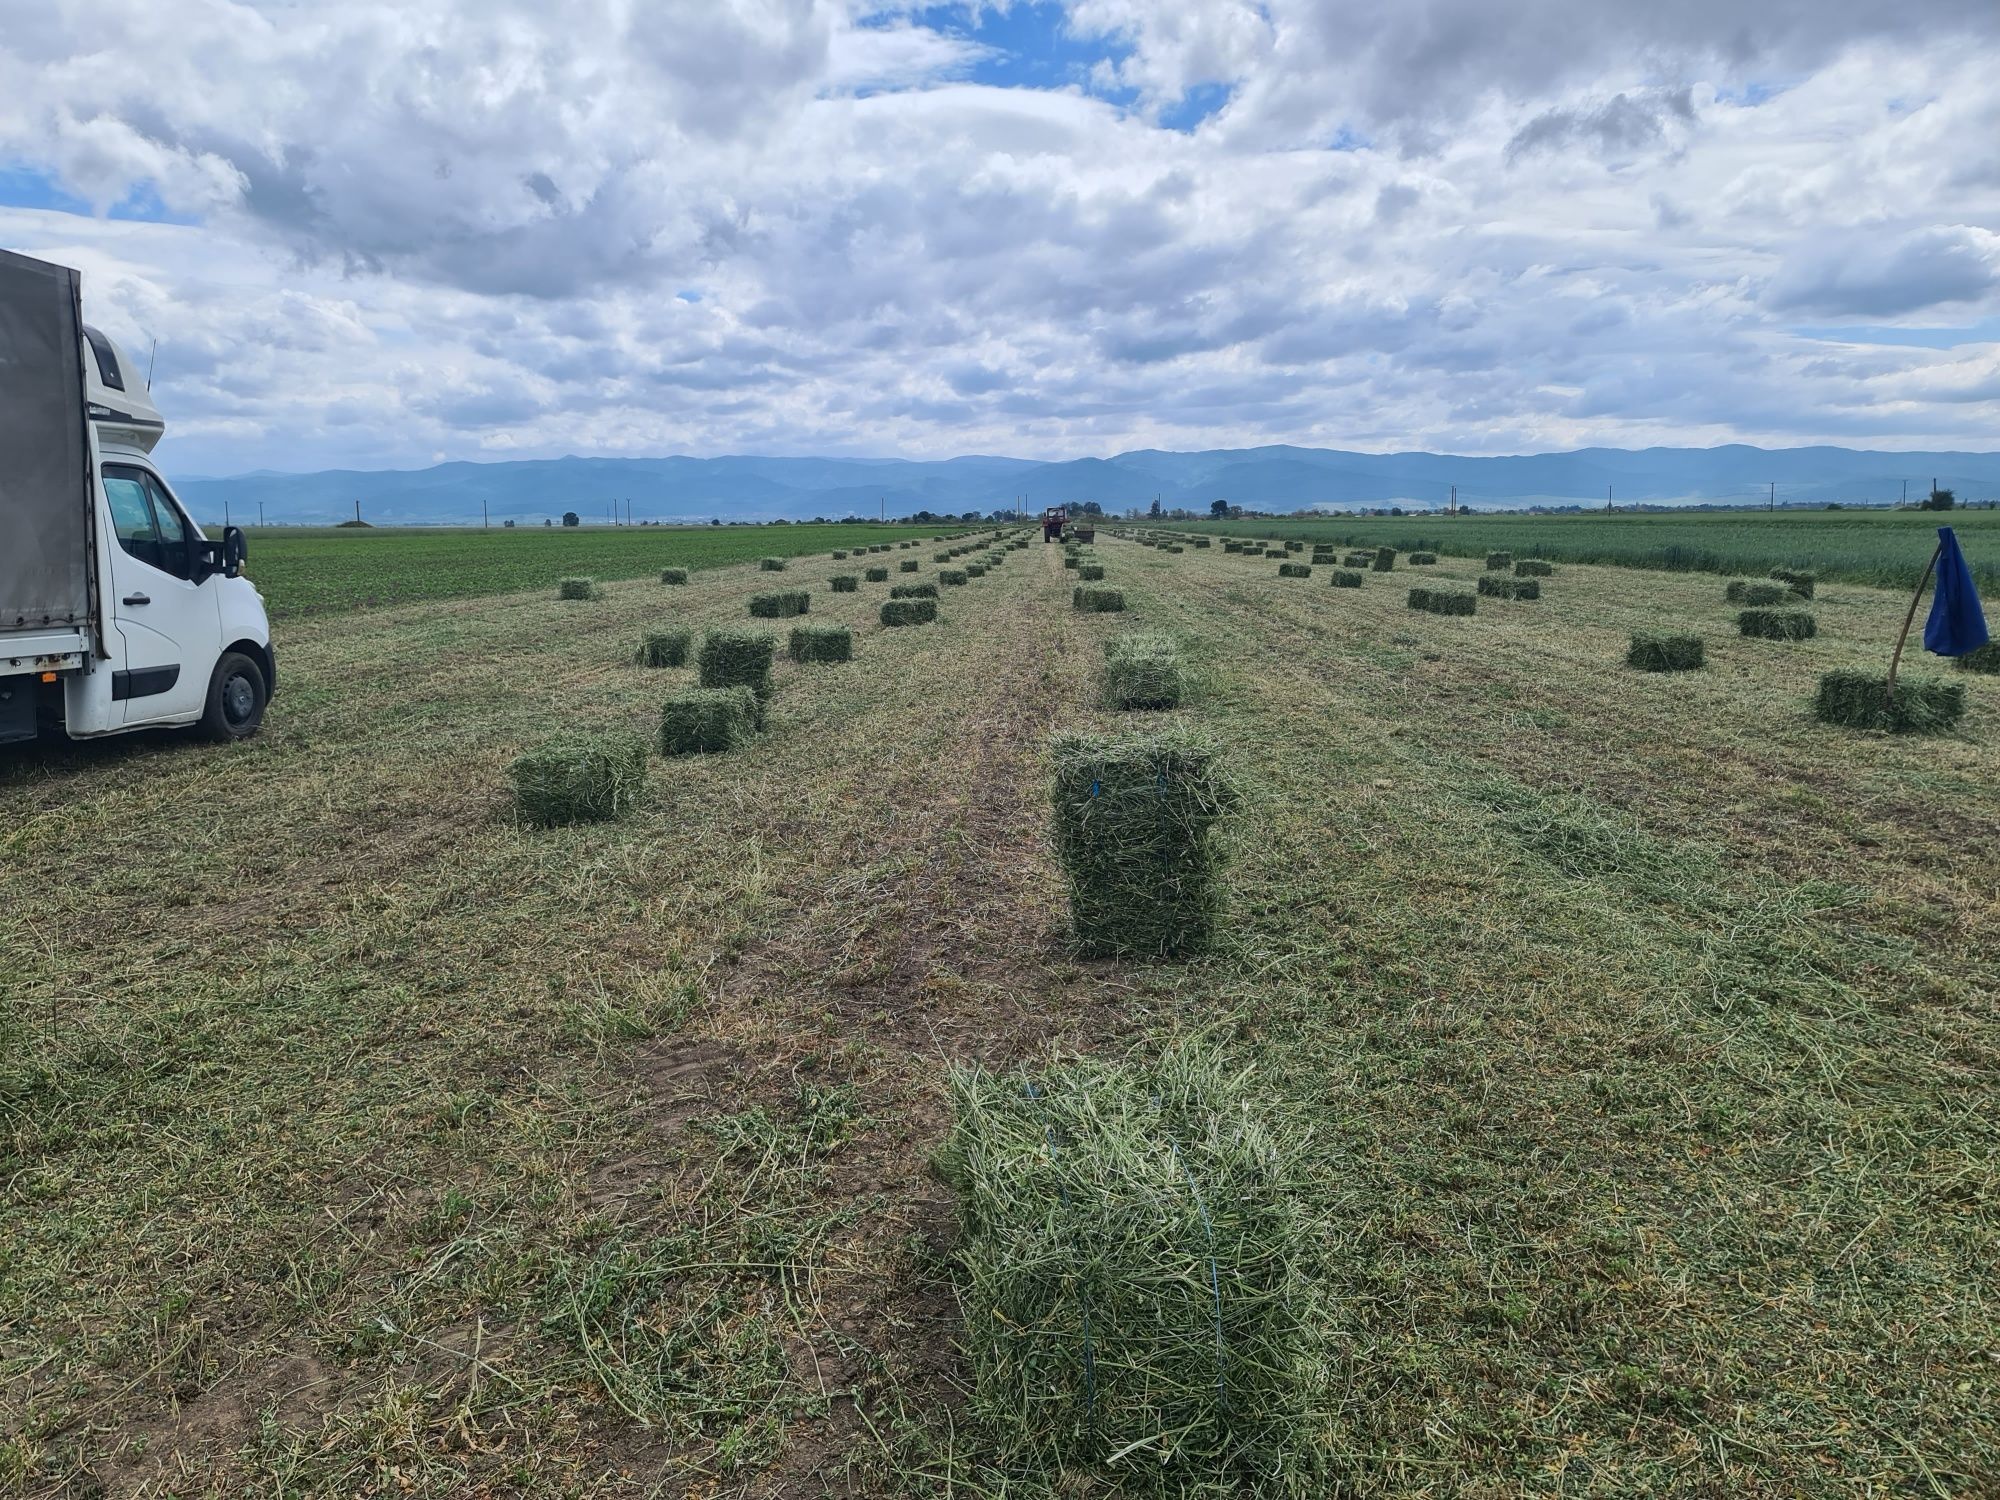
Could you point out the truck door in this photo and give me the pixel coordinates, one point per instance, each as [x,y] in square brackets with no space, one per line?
[168,623]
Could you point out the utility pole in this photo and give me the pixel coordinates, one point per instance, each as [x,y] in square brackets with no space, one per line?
[1774,494]
[485,520]
[883,502]
[260,515]
[1453,510]
[357,513]
[1607,498]
[225,513]
[1905,501]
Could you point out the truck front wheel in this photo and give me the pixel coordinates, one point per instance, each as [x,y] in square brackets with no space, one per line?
[236,698]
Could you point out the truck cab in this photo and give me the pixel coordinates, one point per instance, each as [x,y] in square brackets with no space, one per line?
[117,611]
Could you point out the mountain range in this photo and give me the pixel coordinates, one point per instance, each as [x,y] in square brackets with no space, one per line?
[683,489]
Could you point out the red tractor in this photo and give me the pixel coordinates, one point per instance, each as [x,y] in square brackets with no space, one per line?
[1053,521]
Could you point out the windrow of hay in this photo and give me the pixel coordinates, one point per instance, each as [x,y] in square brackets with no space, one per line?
[781,605]
[908,611]
[579,778]
[665,648]
[701,721]
[844,583]
[1757,595]
[1097,601]
[1135,819]
[738,658]
[1444,601]
[674,576]
[1666,653]
[1777,624]
[576,588]
[1142,670]
[1860,700]
[1137,1299]
[822,643]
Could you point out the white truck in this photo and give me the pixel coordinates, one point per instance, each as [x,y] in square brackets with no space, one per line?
[116,611]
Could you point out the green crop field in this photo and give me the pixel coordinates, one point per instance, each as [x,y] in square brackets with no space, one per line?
[315,570]
[1888,548]
[1627,1047]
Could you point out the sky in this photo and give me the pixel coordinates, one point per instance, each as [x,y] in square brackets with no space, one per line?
[387,233]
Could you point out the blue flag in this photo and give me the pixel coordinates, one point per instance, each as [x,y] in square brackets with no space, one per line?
[1957,625]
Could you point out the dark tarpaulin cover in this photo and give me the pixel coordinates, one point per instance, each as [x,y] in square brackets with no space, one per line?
[44,520]
[1957,624]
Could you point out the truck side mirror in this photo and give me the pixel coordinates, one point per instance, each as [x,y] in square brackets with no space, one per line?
[235,550]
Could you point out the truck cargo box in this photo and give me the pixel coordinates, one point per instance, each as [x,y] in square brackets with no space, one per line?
[45,533]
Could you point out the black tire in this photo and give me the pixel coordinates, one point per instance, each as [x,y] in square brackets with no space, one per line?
[236,697]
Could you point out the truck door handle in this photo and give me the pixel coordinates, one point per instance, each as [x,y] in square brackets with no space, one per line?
[137,599]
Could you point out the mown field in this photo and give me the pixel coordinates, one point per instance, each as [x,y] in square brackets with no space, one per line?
[361,1141]
[1885,548]
[320,570]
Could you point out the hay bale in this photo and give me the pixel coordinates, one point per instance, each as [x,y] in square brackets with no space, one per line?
[1534,567]
[914,591]
[876,575]
[675,576]
[822,643]
[1358,560]
[1444,601]
[1097,601]
[781,605]
[771,564]
[1072,561]
[1295,570]
[1666,653]
[844,583]
[1136,1297]
[665,648]
[907,565]
[975,570]
[1982,659]
[1200,542]
[1232,546]
[1385,559]
[576,588]
[1777,624]
[1801,584]
[909,611]
[1347,578]
[1498,586]
[1757,595]
[1091,573]
[839,556]
[579,778]
[1142,671]
[701,721]
[951,577]
[1134,816]
[738,658]
[1422,559]
[1499,562]
[1860,700]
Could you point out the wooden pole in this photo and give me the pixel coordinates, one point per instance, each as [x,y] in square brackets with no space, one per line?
[1910,618]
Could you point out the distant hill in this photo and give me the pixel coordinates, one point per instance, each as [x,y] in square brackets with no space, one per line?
[1277,478]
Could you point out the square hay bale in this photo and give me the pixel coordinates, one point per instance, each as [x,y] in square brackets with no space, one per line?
[1097,601]
[1499,586]
[879,547]
[1801,584]
[1134,822]
[844,583]
[876,575]
[665,648]
[1444,601]
[1200,542]
[1174,547]
[839,556]
[822,643]
[1323,556]
[576,588]
[1983,659]
[914,591]
[1499,562]
[1295,570]
[781,605]
[1861,700]
[674,576]
[1666,653]
[907,565]
[1142,671]
[1777,624]
[1756,595]
[909,611]
[1295,546]
[701,721]
[731,657]
[1232,546]
[951,577]
[1358,560]
[1137,1295]
[1072,561]
[579,778]
[771,564]
[975,570]
[1346,578]
[1534,567]
[1385,559]
[1422,559]
[1091,573]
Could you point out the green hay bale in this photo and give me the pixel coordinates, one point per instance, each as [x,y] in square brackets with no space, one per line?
[1757,595]
[1295,546]
[1534,567]
[1134,817]
[1497,586]
[1137,1297]
[975,570]
[1295,570]
[1072,561]
[579,778]
[1232,546]
[839,556]
[909,611]
[1666,653]
[951,577]
[1323,557]
[822,643]
[844,583]
[1201,543]
[665,648]
[1422,559]
[879,547]
[738,658]
[1983,659]
[1174,547]
[914,591]
[576,588]
[781,605]
[1142,671]
[1385,559]
[1859,700]
[1801,584]
[1358,560]
[1777,624]
[1347,578]
[1444,601]
[674,576]
[1098,601]
[1091,573]
[1499,562]
[876,575]
[771,564]
[907,565]
[701,721]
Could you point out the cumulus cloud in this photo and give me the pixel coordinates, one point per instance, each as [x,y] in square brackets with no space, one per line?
[1883,273]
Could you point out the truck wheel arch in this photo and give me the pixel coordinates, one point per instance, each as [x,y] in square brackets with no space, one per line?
[267,663]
